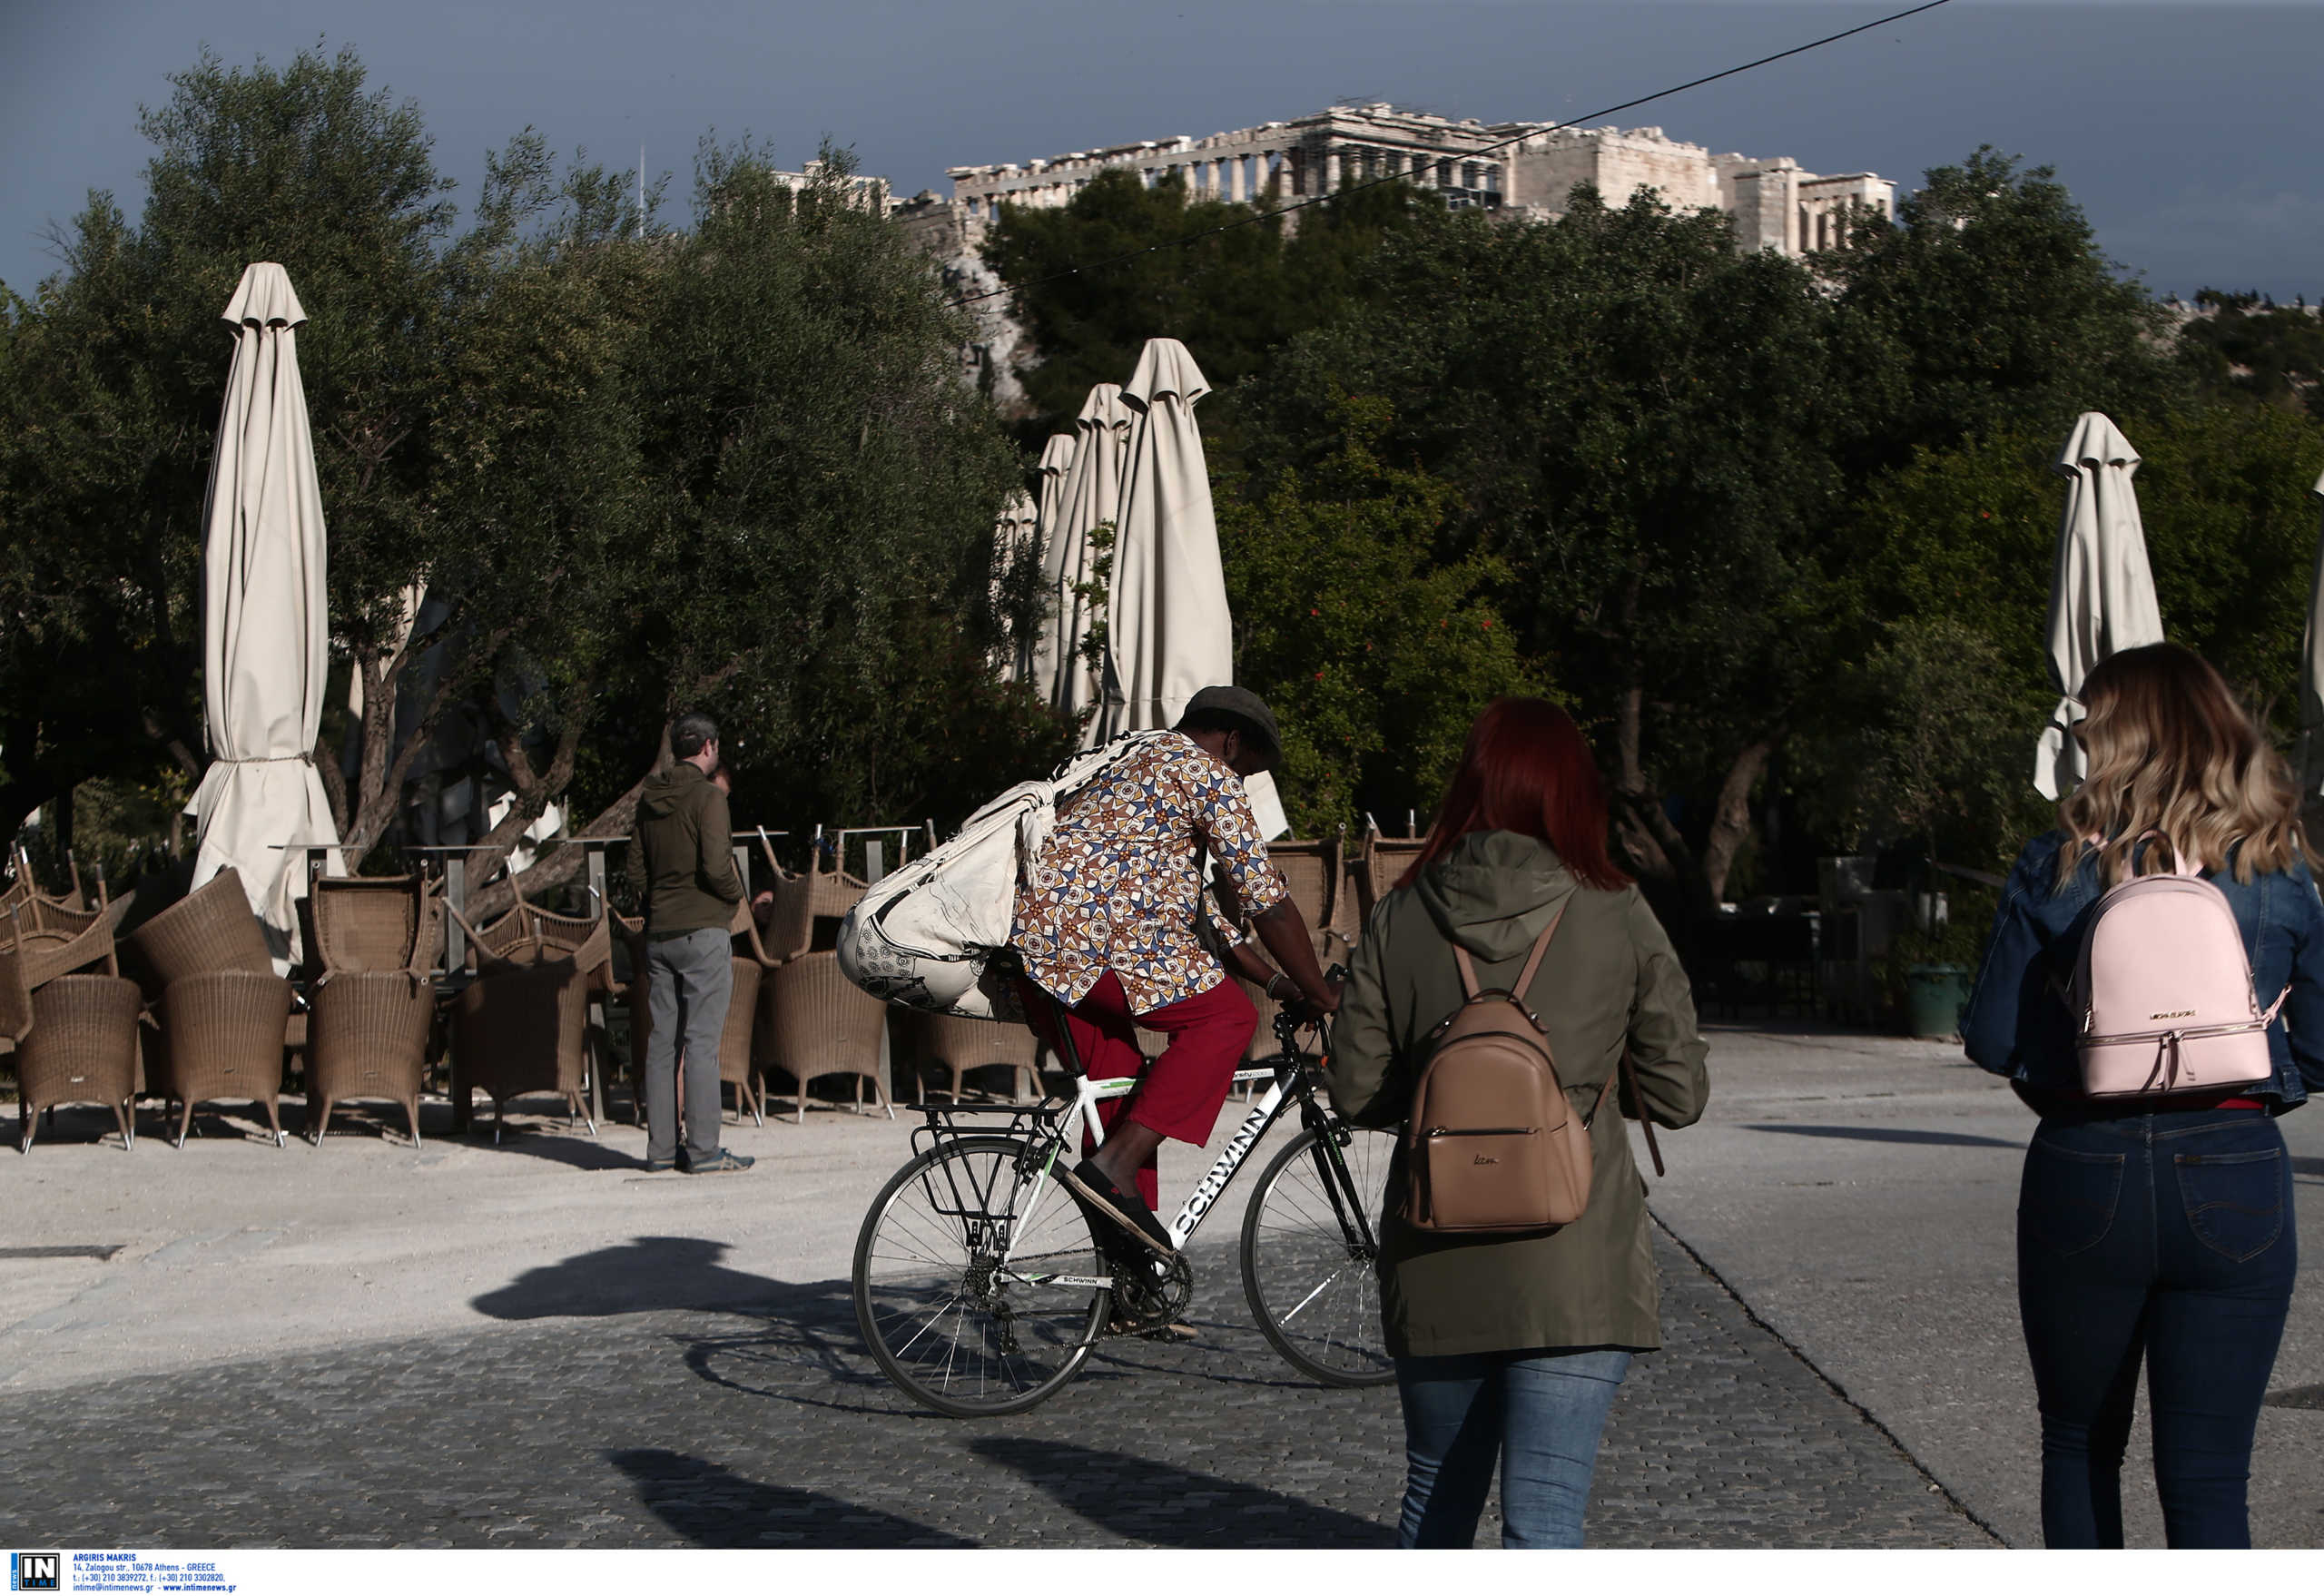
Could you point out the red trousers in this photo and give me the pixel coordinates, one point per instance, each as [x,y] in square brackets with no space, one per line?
[1183,1090]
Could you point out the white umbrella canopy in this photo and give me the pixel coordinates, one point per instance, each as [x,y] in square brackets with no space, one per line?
[2310,759]
[1033,662]
[1088,493]
[1169,631]
[265,618]
[2101,592]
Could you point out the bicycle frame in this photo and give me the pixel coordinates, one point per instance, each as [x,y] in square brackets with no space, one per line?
[1280,1078]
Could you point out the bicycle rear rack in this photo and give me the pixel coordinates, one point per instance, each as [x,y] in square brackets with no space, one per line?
[1030,1123]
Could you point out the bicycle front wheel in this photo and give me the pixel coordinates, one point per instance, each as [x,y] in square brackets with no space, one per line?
[978,1285]
[1310,1241]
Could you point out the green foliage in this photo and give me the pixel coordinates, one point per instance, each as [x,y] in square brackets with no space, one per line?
[636,469]
[1643,424]
[1233,297]
[1991,307]
[1932,737]
[2267,354]
[1375,655]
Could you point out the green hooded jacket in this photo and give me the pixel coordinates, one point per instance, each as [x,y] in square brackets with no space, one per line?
[682,858]
[1609,980]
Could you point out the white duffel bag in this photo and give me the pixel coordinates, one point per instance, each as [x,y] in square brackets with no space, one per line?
[925,936]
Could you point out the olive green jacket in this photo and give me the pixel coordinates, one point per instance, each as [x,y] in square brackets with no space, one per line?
[1609,980]
[683,855]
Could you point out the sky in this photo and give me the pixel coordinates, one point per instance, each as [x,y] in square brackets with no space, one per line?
[2187,132]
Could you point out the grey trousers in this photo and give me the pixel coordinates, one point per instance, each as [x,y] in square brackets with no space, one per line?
[689,982]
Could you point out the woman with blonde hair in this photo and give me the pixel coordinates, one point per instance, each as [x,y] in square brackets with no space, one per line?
[2156,1228]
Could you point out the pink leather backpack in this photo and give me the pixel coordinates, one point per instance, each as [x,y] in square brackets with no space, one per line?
[2162,996]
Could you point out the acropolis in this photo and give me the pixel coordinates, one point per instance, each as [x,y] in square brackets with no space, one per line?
[1515,169]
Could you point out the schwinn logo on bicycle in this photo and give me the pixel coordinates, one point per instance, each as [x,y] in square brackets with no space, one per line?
[1246,1137]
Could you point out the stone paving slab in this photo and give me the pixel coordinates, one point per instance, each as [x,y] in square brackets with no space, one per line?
[771,1427]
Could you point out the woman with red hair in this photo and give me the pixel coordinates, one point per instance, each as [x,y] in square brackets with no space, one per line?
[1509,1348]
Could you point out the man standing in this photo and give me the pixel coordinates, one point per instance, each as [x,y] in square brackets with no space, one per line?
[684,850]
[1108,924]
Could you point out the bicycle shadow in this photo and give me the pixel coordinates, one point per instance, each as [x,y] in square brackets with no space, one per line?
[646,1276]
[1138,1499]
[709,1504]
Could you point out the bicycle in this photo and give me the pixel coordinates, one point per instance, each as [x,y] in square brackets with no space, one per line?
[981,1284]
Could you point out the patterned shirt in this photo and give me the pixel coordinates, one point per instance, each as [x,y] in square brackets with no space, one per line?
[1120,884]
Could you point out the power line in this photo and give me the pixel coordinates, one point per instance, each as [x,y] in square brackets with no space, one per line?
[1353,188]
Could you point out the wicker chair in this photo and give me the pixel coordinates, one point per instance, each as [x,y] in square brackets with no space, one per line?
[790,927]
[522,1027]
[1384,859]
[371,925]
[956,1046]
[371,943]
[822,1023]
[208,932]
[51,938]
[222,1039]
[82,1048]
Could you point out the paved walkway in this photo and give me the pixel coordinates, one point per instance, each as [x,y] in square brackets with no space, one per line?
[236,1344]
[770,1427]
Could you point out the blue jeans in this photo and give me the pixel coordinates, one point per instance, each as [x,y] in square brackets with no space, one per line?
[2170,1238]
[1536,1414]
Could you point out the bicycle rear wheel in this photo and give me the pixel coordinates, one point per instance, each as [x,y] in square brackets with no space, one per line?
[955,1324]
[1308,1258]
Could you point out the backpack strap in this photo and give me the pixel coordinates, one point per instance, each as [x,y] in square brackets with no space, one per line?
[1469,986]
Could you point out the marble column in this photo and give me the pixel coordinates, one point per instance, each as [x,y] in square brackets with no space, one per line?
[1331,171]
[1235,189]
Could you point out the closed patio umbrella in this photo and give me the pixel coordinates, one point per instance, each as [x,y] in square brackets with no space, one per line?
[1169,631]
[2101,592]
[265,618]
[1034,663]
[1088,495]
[2310,759]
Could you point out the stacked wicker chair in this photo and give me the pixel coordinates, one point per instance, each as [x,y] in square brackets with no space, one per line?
[522,1027]
[224,1012]
[75,1035]
[817,1021]
[373,944]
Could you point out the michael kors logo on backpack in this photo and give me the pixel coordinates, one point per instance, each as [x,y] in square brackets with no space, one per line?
[2173,1014]
[1484,1158]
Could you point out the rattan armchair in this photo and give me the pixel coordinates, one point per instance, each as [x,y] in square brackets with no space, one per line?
[50,939]
[372,943]
[81,1048]
[1384,859]
[954,1045]
[222,1039]
[522,1027]
[822,1023]
[209,930]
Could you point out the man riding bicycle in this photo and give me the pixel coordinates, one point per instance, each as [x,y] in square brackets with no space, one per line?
[1112,925]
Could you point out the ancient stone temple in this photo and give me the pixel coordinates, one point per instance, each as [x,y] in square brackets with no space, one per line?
[1516,169]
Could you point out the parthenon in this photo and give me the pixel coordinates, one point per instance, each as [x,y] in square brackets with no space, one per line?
[1522,167]
[1515,169]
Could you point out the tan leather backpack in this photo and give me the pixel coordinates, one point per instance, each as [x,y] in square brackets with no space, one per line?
[1492,1144]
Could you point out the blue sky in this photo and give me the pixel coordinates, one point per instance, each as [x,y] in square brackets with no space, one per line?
[2188,131]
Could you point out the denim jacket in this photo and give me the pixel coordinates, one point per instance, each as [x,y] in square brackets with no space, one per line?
[2017,1023]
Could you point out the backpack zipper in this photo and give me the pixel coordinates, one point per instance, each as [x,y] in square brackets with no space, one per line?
[1434,1131]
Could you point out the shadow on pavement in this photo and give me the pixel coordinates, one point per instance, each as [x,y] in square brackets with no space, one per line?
[647,1275]
[711,1506]
[1162,1505]
[1935,1139]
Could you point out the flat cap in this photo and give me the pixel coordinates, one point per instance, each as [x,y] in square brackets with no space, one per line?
[1247,706]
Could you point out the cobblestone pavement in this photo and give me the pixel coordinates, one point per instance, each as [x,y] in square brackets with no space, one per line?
[772,1428]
